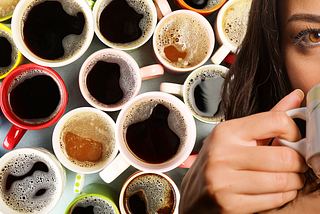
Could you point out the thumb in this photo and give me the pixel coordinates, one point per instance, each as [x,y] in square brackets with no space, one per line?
[291,101]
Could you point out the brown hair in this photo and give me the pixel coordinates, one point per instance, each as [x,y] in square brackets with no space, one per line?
[257,80]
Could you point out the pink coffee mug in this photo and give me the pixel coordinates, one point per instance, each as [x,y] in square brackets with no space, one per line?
[18,76]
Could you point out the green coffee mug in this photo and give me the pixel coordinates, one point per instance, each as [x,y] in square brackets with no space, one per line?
[95,196]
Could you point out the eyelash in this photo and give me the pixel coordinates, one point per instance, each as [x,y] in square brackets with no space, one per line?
[299,38]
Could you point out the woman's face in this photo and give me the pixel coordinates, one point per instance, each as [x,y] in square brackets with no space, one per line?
[300,41]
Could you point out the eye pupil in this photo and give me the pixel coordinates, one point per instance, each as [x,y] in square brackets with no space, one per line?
[315,37]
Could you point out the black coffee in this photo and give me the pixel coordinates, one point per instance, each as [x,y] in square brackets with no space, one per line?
[8,53]
[203,4]
[125,23]
[149,193]
[5,53]
[34,97]
[51,33]
[92,205]
[28,183]
[103,82]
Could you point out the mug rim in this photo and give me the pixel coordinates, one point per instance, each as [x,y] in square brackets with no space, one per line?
[96,7]
[16,23]
[82,80]
[171,163]
[61,156]
[50,158]
[19,58]
[138,173]
[205,23]
[184,5]
[4,102]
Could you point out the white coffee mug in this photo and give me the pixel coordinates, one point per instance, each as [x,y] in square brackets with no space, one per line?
[309,147]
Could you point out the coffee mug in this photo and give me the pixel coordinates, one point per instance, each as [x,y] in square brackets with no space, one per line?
[95,198]
[84,142]
[230,27]
[183,41]
[155,132]
[201,92]
[32,97]
[10,56]
[147,192]
[50,38]
[123,24]
[308,147]
[204,7]
[32,180]
[6,9]
[109,78]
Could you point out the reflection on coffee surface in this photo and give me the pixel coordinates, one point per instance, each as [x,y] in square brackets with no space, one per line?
[54,30]
[155,131]
[235,21]
[87,139]
[148,194]
[28,183]
[203,4]
[7,7]
[125,23]
[183,41]
[92,205]
[204,94]
[34,97]
[111,80]
[8,53]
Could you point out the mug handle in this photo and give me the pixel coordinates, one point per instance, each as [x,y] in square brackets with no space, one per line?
[13,137]
[114,169]
[172,88]
[151,72]
[299,146]
[79,182]
[220,54]
[163,8]
[189,161]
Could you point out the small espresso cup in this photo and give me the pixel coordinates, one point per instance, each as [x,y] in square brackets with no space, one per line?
[109,78]
[230,27]
[10,54]
[95,198]
[205,7]
[123,24]
[84,142]
[32,180]
[6,9]
[31,97]
[52,33]
[201,92]
[147,192]
[155,132]
[309,147]
[183,41]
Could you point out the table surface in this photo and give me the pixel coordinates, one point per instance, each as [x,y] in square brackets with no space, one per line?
[69,73]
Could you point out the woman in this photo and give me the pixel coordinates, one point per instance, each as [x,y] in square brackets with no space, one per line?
[236,172]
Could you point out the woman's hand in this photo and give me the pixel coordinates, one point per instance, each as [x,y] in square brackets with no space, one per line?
[236,172]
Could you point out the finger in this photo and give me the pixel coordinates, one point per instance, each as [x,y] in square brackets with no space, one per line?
[291,101]
[268,159]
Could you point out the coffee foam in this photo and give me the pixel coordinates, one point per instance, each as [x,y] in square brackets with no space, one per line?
[141,7]
[27,75]
[14,54]
[202,74]
[128,77]
[72,43]
[100,205]
[212,4]
[143,110]
[235,21]
[157,191]
[21,197]
[7,7]
[186,34]
[92,126]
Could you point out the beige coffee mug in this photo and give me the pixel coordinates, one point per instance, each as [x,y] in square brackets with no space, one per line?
[230,27]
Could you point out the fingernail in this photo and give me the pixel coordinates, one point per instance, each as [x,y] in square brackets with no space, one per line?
[299,92]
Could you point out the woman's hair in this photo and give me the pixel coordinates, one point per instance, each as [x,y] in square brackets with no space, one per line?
[257,80]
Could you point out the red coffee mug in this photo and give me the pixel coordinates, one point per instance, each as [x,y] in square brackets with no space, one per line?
[19,126]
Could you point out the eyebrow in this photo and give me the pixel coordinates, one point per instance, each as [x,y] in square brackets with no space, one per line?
[304,17]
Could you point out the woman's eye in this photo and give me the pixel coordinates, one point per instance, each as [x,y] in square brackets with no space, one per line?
[314,37]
